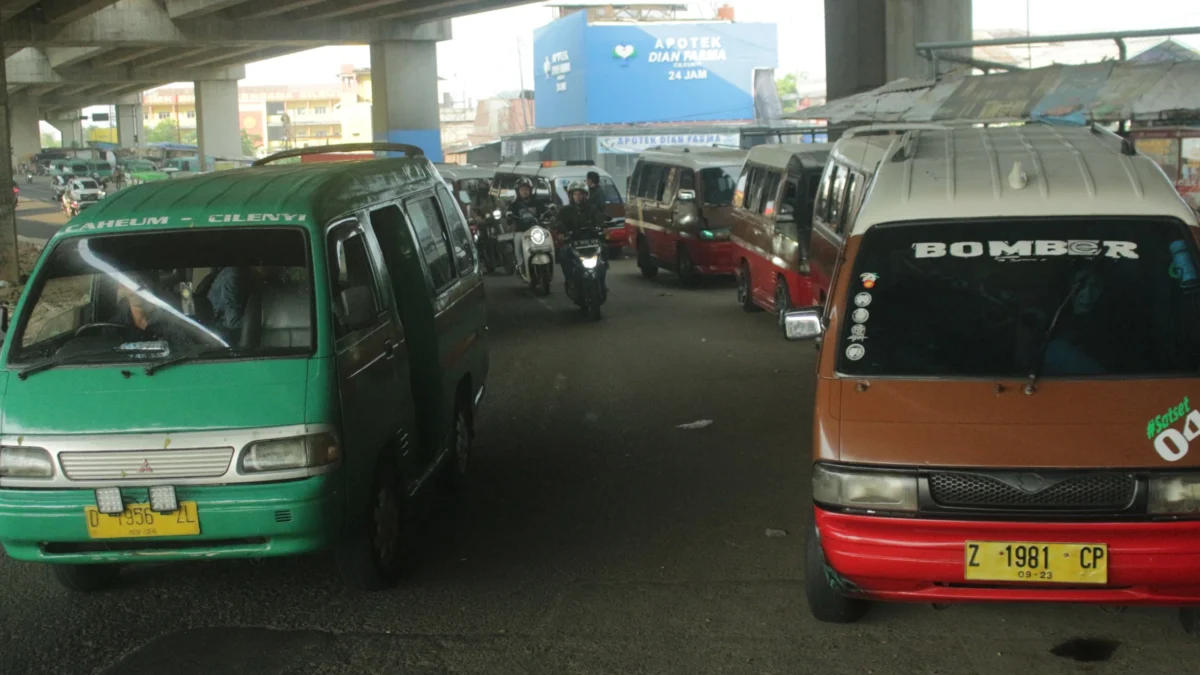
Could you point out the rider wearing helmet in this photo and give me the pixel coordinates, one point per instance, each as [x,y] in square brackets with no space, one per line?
[580,214]
[526,201]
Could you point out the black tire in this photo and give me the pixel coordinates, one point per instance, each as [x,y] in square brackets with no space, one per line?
[783,300]
[686,269]
[377,552]
[592,304]
[826,603]
[458,468]
[86,578]
[645,262]
[544,287]
[744,294]
[1189,618]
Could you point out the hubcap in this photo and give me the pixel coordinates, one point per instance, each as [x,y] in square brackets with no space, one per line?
[462,444]
[387,525]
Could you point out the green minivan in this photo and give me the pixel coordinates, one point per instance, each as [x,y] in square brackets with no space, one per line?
[257,362]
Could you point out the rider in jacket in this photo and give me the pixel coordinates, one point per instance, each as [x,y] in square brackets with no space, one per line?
[483,206]
[526,200]
[580,214]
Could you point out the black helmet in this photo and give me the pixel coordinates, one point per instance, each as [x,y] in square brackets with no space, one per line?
[524,182]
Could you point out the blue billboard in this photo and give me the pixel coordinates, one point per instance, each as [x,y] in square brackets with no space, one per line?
[648,72]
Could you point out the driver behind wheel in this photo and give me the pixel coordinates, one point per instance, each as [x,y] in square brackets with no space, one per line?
[137,310]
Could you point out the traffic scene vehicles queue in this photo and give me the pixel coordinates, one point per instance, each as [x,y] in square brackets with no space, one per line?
[1006,317]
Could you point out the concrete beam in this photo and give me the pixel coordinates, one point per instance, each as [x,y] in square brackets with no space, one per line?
[70,100]
[180,55]
[131,55]
[133,23]
[31,66]
[445,9]
[192,9]
[331,9]
[62,12]
[60,57]
[11,8]
[264,10]
[222,55]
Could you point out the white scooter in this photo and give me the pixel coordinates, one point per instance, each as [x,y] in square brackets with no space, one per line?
[535,255]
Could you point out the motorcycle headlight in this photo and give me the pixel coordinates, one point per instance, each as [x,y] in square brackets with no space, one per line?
[296,452]
[25,462]
[538,236]
[590,263]
[1176,494]
[871,490]
[496,214]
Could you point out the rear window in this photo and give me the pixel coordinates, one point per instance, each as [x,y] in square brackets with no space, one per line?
[719,184]
[980,300]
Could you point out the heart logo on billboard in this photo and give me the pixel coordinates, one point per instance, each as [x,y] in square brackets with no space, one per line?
[623,51]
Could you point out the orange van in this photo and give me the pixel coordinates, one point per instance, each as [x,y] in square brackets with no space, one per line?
[1006,387]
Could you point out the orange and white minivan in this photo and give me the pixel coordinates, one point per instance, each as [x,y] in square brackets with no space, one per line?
[1008,379]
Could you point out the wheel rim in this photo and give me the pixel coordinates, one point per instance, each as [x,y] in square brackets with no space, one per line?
[462,444]
[387,525]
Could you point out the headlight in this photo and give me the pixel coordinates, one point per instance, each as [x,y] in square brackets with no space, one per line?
[590,263]
[23,462]
[297,452]
[538,236]
[496,214]
[872,490]
[1174,494]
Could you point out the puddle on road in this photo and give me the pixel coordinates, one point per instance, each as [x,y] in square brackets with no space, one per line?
[1086,650]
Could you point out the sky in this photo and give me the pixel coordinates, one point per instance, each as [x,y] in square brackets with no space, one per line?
[482,57]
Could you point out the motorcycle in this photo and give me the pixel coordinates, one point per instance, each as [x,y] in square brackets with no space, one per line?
[535,259]
[487,240]
[586,287]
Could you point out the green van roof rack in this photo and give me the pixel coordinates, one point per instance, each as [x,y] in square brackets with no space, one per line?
[408,150]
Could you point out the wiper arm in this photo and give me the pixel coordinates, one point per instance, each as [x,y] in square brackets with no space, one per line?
[1036,368]
[189,356]
[24,373]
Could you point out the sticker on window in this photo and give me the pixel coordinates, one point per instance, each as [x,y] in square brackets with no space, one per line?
[1029,249]
[860,315]
[862,299]
[868,279]
[1171,443]
[855,352]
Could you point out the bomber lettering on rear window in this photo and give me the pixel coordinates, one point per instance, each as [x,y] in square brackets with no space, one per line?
[257,218]
[1029,249]
[116,224]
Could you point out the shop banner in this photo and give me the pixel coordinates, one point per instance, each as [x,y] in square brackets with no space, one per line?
[632,145]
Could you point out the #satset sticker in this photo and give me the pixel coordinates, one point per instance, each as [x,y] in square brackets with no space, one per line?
[1170,443]
[860,315]
[862,299]
[855,352]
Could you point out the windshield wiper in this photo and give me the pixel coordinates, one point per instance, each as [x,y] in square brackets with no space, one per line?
[192,356]
[1036,368]
[24,373]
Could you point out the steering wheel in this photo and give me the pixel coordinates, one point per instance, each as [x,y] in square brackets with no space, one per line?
[100,324]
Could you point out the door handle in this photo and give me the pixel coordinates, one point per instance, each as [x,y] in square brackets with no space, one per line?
[389,348]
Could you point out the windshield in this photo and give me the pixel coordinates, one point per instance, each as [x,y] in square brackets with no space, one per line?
[103,166]
[976,300]
[246,289]
[86,185]
[79,168]
[719,184]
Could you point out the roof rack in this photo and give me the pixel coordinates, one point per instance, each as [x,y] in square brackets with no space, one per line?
[408,150]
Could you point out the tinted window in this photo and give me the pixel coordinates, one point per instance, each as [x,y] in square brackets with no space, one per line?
[825,190]
[979,299]
[664,185]
[687,180]
[79,168]
[609,188]
[460,237]
[652,177]
[718,185]
[755,189]
[769,194]
[431,237]
[350,267]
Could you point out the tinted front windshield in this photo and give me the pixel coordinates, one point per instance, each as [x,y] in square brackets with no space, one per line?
[718,185]
[977,300]
[246,290]
[87,185]
[79,168]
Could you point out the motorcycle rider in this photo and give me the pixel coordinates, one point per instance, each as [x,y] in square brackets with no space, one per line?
[595,193]
[526,201]
[580,214]
[483,205]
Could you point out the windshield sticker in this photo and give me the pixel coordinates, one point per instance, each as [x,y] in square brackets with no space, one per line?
[860,315]
[113,224]
[868,279]
[858,332]
[1170,443]
[855,352]
[1006,251]
[257,218]
[862,299]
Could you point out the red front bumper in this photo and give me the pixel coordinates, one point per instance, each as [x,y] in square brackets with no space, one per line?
[616,237]
[712,257]
[913,560]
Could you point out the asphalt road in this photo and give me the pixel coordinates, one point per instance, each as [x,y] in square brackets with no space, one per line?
[596,537]
[39,215]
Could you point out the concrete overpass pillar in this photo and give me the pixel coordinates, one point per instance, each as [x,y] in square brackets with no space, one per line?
[10,266]
[218,131]
[130,130]
[871,42]
[71,129]
[404,95]
[24,132]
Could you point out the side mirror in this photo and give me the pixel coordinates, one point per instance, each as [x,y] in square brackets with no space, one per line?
[803,324]
[357,307]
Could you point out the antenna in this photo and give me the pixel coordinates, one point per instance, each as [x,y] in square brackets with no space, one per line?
[1017,178]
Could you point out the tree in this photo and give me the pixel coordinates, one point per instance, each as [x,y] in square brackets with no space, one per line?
[49,141]
[786,86]
[166,131]
[250,144]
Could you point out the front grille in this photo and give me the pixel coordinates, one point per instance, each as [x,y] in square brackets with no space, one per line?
[146,464]
[1092,492]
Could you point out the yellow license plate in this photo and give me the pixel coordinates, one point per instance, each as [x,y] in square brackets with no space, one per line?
[1036,562]
[137,520]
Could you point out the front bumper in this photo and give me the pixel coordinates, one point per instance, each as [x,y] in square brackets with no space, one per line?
[616,237]
[236,521]
[917,560]
[712,257]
